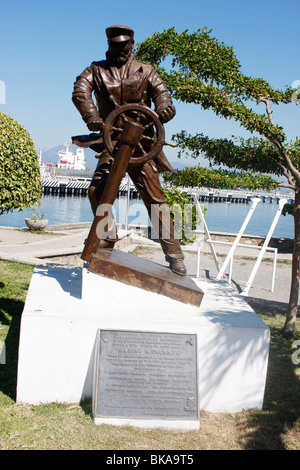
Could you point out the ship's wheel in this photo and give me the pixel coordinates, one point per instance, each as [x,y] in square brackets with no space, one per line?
[153,134]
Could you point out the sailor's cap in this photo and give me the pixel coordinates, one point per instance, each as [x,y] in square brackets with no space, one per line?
[119,33]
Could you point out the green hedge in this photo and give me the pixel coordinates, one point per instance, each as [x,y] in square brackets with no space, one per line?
[20,182]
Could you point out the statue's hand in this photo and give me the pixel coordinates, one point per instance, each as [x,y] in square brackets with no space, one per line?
[95,124]
[166,114]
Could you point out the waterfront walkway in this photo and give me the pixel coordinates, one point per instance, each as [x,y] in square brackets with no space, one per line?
[62,245]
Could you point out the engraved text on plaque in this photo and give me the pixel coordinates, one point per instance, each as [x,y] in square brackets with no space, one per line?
[146,375]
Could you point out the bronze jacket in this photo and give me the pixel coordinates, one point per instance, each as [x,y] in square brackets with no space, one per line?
[126,84]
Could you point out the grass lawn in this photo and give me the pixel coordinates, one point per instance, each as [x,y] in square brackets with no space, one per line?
[71,426]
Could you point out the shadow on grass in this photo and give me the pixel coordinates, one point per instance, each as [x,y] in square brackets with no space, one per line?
[8,371]
[87,406]
[263,306]
[268,429]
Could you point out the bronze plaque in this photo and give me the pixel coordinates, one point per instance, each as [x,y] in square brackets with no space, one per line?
[145,375]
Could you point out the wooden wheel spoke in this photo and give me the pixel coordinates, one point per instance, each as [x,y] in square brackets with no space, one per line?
[148,138]
[148,126]
[124,117]
[117,129]
[140,146]
[138,117]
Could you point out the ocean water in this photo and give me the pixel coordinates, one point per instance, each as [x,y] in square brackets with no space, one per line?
[219,216]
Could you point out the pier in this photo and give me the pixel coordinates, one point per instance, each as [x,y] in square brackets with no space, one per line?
[235,196]
[78,187]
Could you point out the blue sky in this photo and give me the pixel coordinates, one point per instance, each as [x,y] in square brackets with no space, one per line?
[45,44]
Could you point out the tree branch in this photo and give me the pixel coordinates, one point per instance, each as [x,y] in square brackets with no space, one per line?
[288,186]
[291,170]
[268,109]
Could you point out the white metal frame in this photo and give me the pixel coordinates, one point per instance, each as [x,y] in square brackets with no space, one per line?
[229,257]
[207,239]
[127,202]
[282,203]
[274,250]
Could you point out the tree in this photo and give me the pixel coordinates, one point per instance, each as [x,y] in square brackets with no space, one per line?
[20,180]
[205,71]
[183,214]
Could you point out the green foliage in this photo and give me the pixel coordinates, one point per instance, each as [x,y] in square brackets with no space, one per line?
[288,209]
[293,150]
[207,72]
[204,71]
[252,154]
[219,178]
[183,213]
[20,184]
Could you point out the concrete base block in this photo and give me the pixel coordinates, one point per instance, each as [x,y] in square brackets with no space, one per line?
[65,308]
[172,425]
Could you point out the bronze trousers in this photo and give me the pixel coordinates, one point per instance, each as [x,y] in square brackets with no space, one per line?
[146,181]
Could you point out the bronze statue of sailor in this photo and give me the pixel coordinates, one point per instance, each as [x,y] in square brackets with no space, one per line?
[121,82]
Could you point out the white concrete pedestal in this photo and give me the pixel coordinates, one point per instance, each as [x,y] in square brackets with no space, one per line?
[65,308]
